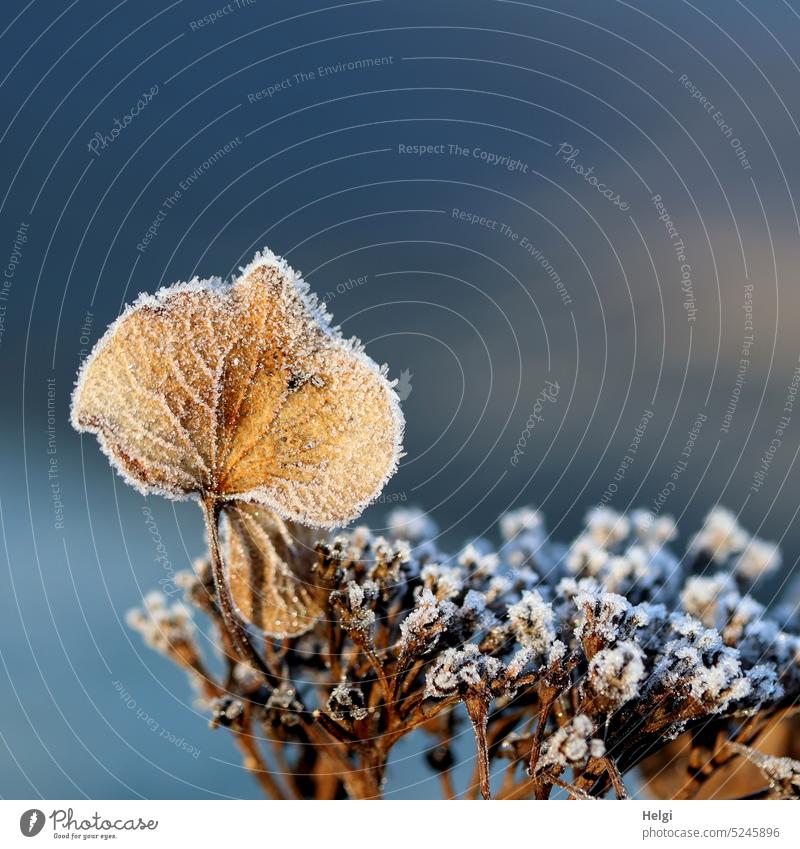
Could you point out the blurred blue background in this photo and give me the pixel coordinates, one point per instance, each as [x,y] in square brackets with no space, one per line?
[289,125]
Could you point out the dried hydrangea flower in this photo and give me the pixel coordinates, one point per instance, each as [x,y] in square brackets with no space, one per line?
[242,392]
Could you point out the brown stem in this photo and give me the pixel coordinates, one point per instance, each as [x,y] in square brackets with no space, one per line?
[256,765]
[538,736]
[477,708]
[616,778]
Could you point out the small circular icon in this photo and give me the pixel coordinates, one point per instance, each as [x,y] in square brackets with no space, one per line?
[31,822]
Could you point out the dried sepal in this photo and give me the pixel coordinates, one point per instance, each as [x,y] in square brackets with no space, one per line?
[269,565]
[242,391]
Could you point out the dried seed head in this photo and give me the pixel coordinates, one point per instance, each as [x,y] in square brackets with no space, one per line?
[347,703]
[242,391]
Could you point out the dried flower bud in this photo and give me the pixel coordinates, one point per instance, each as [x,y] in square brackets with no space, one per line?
[759,558]
[615,675]
[354,602]
[346,703]
[523,522]
[444,581]
[653,531]
[460,670]
[226,712]
[720,536]
[571,746]
[422,628]
[532,622]
[606,527]
[411,523]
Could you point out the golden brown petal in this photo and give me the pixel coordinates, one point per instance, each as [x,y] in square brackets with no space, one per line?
[242,391]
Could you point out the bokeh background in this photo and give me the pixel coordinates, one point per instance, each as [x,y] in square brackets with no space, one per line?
[289,124]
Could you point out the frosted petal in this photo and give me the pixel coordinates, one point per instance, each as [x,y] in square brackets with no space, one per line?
[242,391]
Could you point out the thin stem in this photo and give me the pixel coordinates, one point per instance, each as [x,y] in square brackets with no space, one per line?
[616,778]
[478,709]
[257,766]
